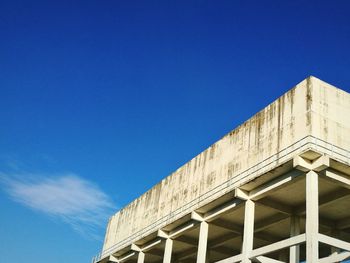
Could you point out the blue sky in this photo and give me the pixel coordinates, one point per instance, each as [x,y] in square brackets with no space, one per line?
[99,100]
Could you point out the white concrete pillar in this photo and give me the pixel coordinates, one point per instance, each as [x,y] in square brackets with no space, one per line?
[168,250]
[202,242]
[311,227]
[294,251]
[141,257]
[248,233]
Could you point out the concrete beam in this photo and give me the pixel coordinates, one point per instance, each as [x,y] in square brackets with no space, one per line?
[338,178]
[334,242]
[306,165]
[337,257]
[178,231]
[197,216]
[273,185]
[126,257]
[135,248]
[278,246]
[301,164]
[163,234]
[241,194]
[148,246]
[113,259]
[263,259]
[267,249]
[222,209]
[321,163]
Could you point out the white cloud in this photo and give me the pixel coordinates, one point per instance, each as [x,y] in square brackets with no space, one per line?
[69,197]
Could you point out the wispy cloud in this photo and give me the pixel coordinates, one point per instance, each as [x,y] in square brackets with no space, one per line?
[68,197]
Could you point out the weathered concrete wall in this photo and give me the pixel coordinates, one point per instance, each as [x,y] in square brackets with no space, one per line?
[311,108]
[330,113]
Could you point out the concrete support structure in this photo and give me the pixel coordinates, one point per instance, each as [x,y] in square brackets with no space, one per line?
[276,189]
[168,250]
[202,243]
[141,257]
[311,228]
[294,251]
[248,234]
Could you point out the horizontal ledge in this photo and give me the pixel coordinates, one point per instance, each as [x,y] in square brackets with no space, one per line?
[334,242]
[278,245]
[151,244]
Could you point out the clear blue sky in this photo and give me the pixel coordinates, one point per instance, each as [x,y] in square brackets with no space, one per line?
[99,100]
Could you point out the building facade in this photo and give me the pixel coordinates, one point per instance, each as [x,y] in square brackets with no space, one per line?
[275,189]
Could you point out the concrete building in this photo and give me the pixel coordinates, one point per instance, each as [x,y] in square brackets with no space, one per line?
[275,189]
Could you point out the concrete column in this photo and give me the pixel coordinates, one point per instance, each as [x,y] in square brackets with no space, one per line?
[202,242]
[248,233]
[168,250]
[294,251]
[311,227]
[141,257]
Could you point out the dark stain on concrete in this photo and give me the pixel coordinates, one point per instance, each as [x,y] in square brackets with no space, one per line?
[212,151]
[308,100]
[211,178]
